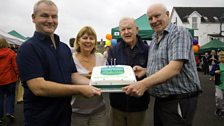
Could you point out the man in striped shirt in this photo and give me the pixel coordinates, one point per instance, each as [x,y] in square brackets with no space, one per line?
[171,72]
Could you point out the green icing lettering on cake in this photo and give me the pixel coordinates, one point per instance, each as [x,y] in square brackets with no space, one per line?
[112,70]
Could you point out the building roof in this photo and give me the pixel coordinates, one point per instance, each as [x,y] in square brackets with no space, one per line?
[216,35]
[208,14]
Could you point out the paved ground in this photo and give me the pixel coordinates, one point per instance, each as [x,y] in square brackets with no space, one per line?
[204,115]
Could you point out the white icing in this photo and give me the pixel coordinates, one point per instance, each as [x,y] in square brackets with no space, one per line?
[125,78]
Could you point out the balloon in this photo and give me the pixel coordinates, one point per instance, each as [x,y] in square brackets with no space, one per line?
[108,43]
[113,42]
[197,60]
[195,48]
[198,46]
[108,36]
[195,42]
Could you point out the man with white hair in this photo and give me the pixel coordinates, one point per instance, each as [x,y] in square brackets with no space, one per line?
[131,50]
[171,70]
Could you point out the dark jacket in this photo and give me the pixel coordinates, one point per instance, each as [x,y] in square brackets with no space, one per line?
[217,76]
[126,56]
[215,59]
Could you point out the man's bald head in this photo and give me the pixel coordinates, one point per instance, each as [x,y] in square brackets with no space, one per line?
[158,17]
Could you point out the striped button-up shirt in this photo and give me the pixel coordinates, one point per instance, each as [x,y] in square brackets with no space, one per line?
[175,44]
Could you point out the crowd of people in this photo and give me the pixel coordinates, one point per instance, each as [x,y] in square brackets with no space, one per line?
[56,78]
[212,65]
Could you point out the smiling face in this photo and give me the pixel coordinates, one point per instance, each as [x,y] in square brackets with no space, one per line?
[45,18]
[86,40]
[87,43]
[128,31]
[158,17]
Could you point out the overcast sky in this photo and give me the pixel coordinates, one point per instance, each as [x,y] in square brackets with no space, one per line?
[102,15]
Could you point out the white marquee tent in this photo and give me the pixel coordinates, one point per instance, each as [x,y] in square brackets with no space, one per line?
[11,39]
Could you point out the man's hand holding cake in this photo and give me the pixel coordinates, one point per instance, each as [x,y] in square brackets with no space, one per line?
[137,88]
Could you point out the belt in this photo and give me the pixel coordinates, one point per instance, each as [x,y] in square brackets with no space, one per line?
[181,96]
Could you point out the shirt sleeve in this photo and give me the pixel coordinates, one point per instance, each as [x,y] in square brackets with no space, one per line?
[181,45]
[29,63]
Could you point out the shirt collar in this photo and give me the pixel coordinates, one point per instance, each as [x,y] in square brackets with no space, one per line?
[165,31]
[137,45]
[43,37]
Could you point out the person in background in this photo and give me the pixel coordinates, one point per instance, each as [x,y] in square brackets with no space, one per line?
[105,52]
[48,72]
[131,50]
[8,79]
[218,71]
[172,76]
[71,43]
[205,60]
[88,111]
[213,59]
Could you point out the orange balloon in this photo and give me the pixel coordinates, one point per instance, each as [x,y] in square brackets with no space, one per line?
[195,48]
[108,36]
[198,46]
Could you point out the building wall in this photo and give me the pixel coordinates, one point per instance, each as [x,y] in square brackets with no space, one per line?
[176,19]
[203,28]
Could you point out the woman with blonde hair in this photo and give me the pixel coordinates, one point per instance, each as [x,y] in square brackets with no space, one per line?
[8,78]
[88,111]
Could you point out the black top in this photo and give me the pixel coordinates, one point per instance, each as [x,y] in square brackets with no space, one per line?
[124,55]
[37,57]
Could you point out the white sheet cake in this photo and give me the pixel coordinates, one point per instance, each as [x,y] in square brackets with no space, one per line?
[112,78]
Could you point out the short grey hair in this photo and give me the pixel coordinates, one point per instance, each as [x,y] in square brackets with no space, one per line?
[158,5]
[48,2]
[127,18]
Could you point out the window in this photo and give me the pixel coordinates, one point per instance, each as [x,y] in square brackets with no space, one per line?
[206,19]
[194,23]
[216,19]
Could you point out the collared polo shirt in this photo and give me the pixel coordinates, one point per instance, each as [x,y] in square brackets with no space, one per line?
[37,57]
[175,44]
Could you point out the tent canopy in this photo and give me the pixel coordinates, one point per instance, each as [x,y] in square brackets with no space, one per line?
[11,39]
[214,44]
[145,31]
[16,34]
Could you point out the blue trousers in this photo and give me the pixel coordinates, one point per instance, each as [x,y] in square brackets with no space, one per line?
[7,91]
